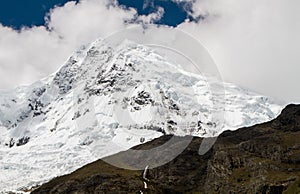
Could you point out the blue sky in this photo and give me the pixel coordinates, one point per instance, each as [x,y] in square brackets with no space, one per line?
[174,13]
[16,13]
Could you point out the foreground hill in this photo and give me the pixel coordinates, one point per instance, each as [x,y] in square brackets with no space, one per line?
[264,158]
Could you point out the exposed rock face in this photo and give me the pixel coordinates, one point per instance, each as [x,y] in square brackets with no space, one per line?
[261,159]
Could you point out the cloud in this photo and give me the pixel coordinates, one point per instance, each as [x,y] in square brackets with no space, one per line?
[255,43]
[151,18]
[32,53]
[87,20]
[25,55]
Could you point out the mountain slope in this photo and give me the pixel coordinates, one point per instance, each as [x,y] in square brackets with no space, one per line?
[104,100]
[261,159]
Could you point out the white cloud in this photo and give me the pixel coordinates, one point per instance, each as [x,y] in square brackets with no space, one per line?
[33,53]
[25,55]
[87,20]
[255,43]
[152,17]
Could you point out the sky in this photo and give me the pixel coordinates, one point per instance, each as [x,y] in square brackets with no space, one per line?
[254,43]
[16,13]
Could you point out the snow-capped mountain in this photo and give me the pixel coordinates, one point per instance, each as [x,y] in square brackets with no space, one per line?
[104,100]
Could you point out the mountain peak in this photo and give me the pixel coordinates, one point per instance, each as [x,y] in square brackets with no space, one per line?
[108,98]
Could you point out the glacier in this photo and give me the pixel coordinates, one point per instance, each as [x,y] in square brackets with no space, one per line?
[104,100]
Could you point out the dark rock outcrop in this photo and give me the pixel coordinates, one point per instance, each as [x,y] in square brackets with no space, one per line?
[261,159]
